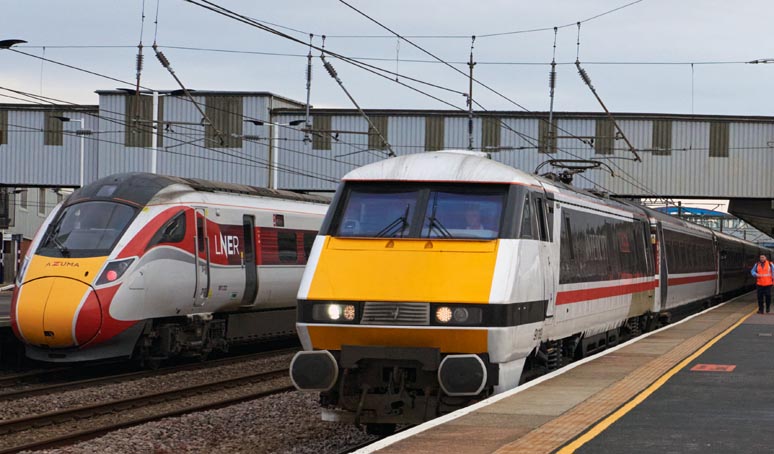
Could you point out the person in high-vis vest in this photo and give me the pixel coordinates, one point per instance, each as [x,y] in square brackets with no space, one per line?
[764,279]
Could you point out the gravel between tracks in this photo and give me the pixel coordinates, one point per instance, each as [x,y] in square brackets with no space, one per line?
[284,423]
[103,393]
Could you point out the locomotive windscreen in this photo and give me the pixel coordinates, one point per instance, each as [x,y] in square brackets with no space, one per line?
[427,211]
[87,229]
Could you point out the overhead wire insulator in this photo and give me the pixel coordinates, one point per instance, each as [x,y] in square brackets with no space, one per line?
[329,67]
[552,79]
[162,59]
[582,73]
[140,59]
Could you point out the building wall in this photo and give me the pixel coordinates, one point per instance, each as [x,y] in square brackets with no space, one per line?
[681,156]
[38,150]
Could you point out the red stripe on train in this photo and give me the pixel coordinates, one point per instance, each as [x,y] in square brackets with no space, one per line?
[575,296]
[692,279]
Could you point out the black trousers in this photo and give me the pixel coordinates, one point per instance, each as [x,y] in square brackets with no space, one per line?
[764,292]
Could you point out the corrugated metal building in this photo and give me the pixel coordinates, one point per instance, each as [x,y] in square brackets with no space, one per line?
[691,156]
[682,155]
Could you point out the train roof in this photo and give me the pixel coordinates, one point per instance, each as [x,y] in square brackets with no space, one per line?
[140,188]
[442,166]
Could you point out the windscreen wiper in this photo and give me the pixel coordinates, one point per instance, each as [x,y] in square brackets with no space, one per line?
[62,248]
[401,223]
[58,244]
[435,223]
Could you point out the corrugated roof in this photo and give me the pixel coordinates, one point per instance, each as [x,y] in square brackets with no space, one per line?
[533,114]
[179,92]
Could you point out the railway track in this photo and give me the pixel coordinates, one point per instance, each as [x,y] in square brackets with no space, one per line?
[116,378]
[63,427]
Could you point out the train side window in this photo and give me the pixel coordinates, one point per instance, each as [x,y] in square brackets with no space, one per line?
[200,233]
[526,220]
[173,231]
[540,210]
[288,252]
[570,247]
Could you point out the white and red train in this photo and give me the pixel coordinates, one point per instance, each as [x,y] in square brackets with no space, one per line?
[441,278]
[149,267]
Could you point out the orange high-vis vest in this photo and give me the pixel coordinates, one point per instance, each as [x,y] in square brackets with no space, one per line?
[764,274]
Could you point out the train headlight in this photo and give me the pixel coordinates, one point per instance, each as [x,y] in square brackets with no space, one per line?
[113,271]
[450,315]
[334,312]
[443,314]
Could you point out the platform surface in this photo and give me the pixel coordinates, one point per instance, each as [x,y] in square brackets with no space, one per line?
[640,398]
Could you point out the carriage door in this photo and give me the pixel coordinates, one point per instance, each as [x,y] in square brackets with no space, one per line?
[202,259]
[545,224]
[251,272]
[663,267]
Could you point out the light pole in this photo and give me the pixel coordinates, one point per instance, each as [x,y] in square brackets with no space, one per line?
[82,133]
[274,147]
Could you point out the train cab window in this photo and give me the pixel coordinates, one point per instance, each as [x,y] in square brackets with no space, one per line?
[378,213]
[462,215]
[540,211]
[288,252]
[173,231]
[86,229]
[442,210]
[526,220]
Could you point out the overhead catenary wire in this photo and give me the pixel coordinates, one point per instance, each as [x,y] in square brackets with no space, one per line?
[335,76]
[587,80]
[130,83]
[228,13]
[406,60]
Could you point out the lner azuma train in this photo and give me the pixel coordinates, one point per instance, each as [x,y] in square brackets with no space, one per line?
[441,278]
[150,267]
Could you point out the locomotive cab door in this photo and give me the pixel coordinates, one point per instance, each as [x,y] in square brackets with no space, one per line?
[544,212]
[251,271]
[201,258]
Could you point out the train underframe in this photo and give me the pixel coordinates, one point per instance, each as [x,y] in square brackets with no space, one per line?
[151,342]
[200,335]
[380,387]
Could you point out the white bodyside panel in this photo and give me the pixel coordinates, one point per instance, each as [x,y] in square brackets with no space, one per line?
[278,285]
[518,275]
[687,293]
[513,342]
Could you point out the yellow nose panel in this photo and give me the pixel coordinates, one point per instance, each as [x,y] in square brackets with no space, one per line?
[46,309]
[82,269]
[404,270]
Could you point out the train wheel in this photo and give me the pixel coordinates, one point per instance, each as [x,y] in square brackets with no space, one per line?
[381,430]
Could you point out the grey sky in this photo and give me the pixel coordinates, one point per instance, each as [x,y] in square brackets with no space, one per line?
[649,31]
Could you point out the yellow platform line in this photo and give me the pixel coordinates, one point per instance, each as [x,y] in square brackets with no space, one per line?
[629,406]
